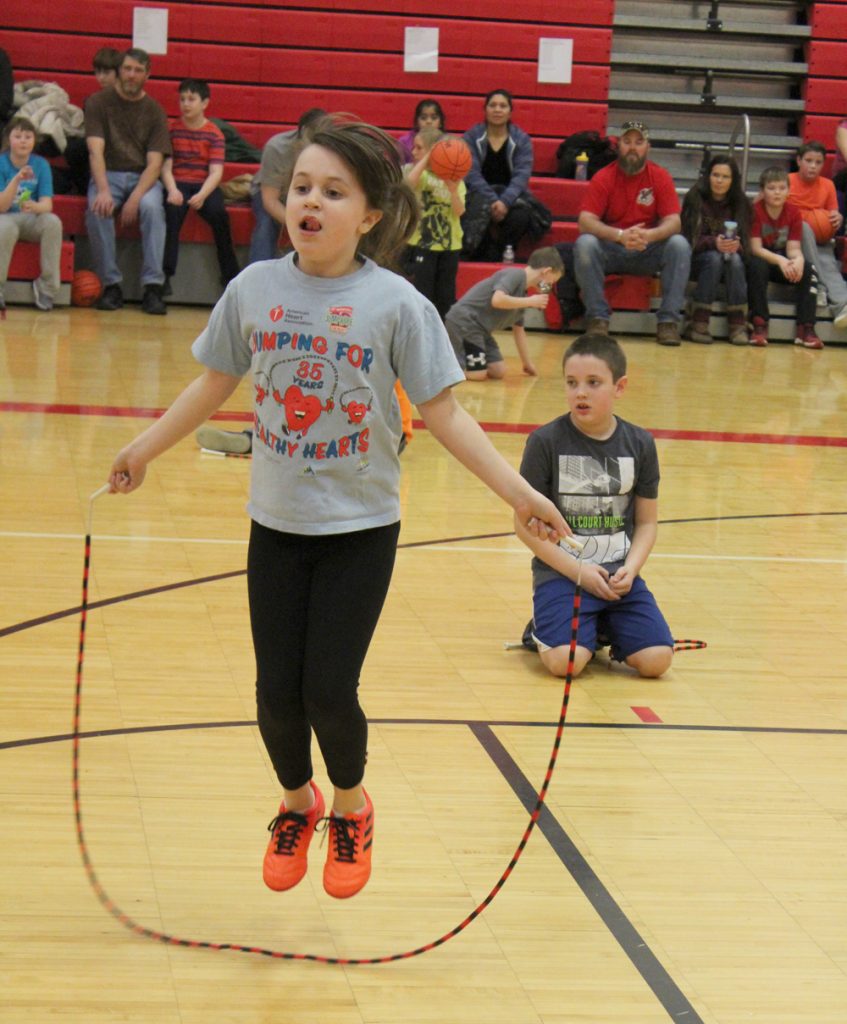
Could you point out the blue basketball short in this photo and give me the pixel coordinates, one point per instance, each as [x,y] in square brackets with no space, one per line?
[630,624]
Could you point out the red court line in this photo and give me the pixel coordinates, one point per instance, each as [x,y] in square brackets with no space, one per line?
[726,436]
[647,714]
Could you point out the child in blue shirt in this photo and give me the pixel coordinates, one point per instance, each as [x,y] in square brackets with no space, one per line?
[26,210]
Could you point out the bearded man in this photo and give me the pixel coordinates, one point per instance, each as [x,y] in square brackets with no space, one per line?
[629,224]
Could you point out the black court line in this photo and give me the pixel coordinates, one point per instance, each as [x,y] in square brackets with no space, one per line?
[65,612]
[782,730]
[672,998]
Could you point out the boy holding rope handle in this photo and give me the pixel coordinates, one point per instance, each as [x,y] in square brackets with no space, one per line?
[603,473]
[325,332]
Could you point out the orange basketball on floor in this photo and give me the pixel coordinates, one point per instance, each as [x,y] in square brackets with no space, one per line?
[85,288]
[818,220]
[450,159]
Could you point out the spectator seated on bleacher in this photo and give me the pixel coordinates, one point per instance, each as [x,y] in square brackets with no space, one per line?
[629,223]
[192,176]
[128,140]
[428,114]
[717,251]
[502,163]
[814,196]
[266,196]
[75,178]
[26,205]
[777,255]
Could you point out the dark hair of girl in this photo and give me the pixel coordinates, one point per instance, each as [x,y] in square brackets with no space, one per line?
[421,107]
[738,203]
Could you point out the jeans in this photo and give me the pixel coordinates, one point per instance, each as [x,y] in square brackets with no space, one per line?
[707,269]
[151,222]
[594,259]
[44,228]
[822,254]
[213,212]
[265,238]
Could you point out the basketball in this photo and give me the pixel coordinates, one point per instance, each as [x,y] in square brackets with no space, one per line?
[450,159]
[85,288]
[818,220]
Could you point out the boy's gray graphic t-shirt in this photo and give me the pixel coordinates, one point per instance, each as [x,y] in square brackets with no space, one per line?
[324,355]
[594,484]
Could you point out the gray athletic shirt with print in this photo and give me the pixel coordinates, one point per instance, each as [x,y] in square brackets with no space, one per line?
[594,484]
[324,354]
[474,309]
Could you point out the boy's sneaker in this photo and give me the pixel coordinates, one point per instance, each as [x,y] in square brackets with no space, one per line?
[839,319]
[43,301]
[111,299]
[759,336]
[667,333]
[231,442]
[348,862]
[291,832]
[2,307]
[806,336]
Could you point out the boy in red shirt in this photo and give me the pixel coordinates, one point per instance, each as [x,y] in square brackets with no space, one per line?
[808,191]
[776,255]
[191,178]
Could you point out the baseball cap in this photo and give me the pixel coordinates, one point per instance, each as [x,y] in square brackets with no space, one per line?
[635,126]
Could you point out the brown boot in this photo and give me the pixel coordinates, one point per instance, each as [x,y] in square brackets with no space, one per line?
[737,320]
[667,333]
[698,329]
[597,325]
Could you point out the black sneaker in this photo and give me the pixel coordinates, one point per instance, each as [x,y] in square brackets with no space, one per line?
[152,301]
[166,288]
[527,639]
[112,298]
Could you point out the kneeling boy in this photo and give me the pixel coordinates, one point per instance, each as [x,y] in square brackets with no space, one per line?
[494,304]
[603,473]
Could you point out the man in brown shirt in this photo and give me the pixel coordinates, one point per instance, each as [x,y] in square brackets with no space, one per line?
[128,139]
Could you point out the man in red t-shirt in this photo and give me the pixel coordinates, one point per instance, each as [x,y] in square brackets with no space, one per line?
[629,224]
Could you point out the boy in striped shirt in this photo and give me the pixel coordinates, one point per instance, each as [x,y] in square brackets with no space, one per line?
[191,178]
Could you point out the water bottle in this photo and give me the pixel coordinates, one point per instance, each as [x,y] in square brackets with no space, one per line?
[729,229]
[581,169]
[508,254]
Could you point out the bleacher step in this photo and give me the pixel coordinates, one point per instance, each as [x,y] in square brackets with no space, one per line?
[725,103]
[758,29]
[682,62]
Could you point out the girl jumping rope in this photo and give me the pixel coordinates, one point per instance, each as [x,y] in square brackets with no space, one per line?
[325,321]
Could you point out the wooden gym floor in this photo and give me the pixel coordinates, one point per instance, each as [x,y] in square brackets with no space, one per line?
[692,865]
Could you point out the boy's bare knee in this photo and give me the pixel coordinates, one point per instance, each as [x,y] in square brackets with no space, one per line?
[496,371]
[651,662]
[556,660]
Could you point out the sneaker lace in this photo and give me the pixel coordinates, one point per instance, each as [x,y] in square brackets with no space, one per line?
[343,833]
[290,826]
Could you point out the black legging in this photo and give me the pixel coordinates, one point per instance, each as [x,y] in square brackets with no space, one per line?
[314,605]
[759,272]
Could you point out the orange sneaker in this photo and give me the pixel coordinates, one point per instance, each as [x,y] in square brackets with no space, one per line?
[286,856]
[348,862]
